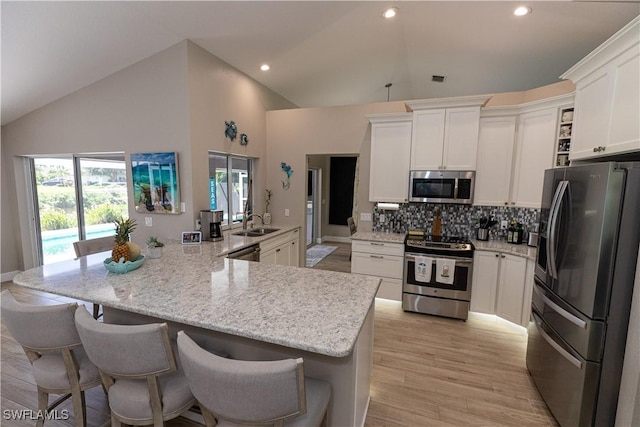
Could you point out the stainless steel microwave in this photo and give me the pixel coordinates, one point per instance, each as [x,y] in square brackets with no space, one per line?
[442,186]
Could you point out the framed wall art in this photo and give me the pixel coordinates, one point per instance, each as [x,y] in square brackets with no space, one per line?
[156,188]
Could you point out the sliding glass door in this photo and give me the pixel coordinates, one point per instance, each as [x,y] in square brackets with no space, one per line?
[77,198]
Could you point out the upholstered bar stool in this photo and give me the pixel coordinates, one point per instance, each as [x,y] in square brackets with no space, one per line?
[144,382]
[236,392]
[59,364]
[93,246]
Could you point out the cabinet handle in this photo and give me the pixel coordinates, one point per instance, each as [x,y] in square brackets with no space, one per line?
[497,255]
[501,256]
[376,244]
[296,230]
[293,243]
[506,203]
[277,250]
[377,256]
[513,203]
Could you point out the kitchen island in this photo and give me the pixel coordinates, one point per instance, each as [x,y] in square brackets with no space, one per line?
[249,310]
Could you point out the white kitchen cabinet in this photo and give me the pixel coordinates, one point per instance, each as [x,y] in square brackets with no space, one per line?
[511,284]
[390,157]
[607,103]
[486,265]
[502,286]
[281,250]
[535,149]
[445,139]
[380,259]
[495,160]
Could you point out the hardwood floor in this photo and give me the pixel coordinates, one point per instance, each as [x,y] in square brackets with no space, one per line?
[428,371]
[337,260]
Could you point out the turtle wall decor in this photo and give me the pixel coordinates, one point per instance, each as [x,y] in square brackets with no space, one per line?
[231,130]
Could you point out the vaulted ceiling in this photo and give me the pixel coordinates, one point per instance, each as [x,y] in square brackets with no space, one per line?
[321,53]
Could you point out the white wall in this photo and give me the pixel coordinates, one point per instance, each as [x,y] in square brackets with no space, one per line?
[176,100]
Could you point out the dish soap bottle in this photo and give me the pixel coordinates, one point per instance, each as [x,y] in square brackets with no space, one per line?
[436,228]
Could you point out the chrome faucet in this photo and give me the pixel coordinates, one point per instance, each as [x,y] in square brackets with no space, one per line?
[246,219]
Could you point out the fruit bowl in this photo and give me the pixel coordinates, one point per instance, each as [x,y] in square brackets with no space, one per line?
[123,267]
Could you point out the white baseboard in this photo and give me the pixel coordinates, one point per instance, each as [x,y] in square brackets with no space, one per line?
[6,277]
[336,239]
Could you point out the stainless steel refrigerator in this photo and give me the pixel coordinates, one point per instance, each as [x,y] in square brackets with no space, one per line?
[583,286]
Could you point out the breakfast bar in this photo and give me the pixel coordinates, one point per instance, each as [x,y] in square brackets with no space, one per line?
[248,310]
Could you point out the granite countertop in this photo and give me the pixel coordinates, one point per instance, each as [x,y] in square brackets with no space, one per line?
[312,310]
[379,236]
[509,248]
[232,243]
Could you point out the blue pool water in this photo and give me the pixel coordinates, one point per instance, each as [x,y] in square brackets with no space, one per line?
[57,245]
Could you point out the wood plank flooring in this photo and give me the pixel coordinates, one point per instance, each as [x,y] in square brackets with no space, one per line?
[428,371]
[337,260]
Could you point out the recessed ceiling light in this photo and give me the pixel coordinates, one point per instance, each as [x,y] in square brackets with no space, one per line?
[265,67]
[522,10]
[390,13]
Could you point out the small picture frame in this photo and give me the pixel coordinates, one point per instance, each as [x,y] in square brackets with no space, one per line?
[191,237]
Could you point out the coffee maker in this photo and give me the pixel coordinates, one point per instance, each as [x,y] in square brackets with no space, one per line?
[210,222]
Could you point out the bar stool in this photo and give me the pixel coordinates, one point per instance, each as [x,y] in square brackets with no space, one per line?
[93,246]
[144,382]
[59,364]
[237,392]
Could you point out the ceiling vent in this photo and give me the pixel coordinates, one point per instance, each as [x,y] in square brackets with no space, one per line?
[438,79]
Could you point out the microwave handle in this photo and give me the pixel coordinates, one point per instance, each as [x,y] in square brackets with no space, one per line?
[455,190]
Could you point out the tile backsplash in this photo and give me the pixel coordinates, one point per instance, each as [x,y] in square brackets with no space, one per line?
[457,220]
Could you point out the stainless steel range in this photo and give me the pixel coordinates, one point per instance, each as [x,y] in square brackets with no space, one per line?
[431,285]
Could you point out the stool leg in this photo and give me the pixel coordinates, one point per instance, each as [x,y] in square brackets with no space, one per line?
[43,403]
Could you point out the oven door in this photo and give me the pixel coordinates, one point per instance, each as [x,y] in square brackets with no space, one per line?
[460,289]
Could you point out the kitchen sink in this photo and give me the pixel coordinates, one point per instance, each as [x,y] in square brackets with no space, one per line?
[255,232]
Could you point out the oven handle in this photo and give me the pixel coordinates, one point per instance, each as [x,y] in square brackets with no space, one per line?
[459,260]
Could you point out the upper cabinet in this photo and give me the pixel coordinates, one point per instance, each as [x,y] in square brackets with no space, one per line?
[390,151]
[607,102]
[445,133]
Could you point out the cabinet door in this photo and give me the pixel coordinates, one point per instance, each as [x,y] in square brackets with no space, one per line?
[390,289]
[461,138]
[591,118]
[534,154]
[427,139]
[494,160]
[390,152]
[511,288]
[295,254]
[268,257]
[624,134]
[485,280]
[283,254]
[528,291]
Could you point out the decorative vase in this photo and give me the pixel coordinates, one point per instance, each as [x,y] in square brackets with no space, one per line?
[266,218]
[154,252]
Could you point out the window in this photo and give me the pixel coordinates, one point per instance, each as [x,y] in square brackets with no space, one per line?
[229,178]
[76,198]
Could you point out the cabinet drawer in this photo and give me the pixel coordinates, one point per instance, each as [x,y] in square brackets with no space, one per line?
[377,265]
[276,241]
[390,289]
[380,248]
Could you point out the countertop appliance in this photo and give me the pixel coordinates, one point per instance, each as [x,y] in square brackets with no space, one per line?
[441,186]
[583,285]
[250,253]
[210,224]
[532,240]
[427,295]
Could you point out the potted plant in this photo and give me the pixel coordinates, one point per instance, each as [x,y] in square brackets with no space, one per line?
[154,247]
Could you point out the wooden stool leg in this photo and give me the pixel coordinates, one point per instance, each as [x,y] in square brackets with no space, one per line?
[96,311]
[43,403]
[79,408]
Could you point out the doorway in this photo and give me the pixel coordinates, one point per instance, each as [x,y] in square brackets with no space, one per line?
[314,203]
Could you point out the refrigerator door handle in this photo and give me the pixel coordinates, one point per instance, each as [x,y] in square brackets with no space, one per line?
[557,347]
[552,244]
[561,311]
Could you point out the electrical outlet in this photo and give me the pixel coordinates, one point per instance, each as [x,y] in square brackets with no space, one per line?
[504,225]
[366,216]
[148,221]
[286,212]
[183,207]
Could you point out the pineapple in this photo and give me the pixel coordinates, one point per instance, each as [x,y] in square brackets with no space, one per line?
[121,249]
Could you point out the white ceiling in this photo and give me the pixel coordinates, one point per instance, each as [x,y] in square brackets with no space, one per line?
[322,53]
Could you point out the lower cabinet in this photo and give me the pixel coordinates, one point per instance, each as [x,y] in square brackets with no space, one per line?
[380,259]
[282,249]
[502,285]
